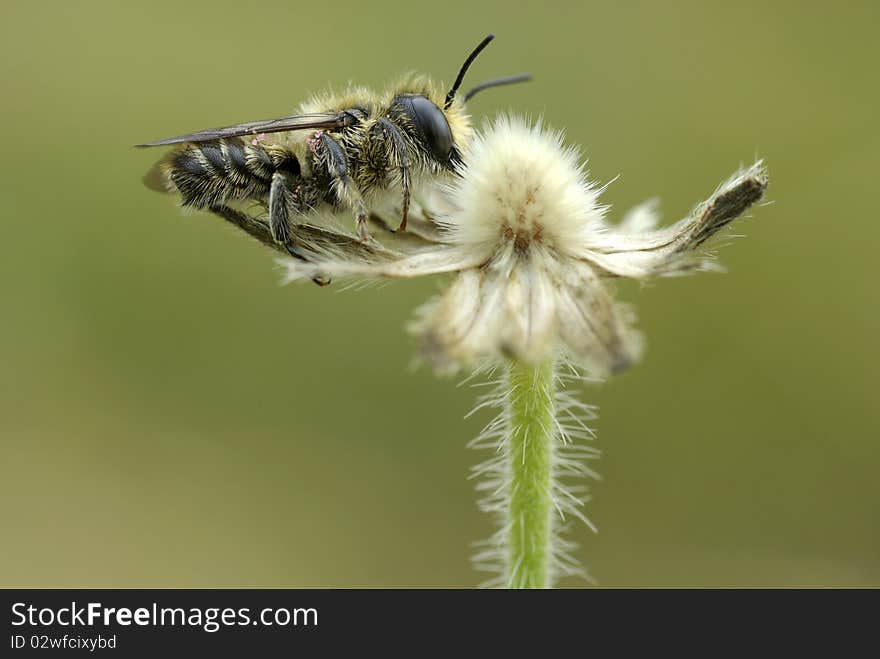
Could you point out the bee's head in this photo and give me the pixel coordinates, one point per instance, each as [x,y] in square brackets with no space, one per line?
[431,126]
[431,123]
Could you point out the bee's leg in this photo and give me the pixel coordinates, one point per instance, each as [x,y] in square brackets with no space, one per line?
[279,209]
[397,157]
[260,230]
[333,157]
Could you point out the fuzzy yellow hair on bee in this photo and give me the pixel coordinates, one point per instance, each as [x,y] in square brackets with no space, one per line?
[349,149]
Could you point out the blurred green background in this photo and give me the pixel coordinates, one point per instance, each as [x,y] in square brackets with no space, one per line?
[156,431]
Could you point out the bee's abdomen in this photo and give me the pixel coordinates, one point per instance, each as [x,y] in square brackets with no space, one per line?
[209,174]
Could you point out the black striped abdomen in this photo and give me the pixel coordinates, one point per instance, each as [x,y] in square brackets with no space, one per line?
[209,174]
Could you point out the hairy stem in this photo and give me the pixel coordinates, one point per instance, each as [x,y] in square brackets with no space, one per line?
[530,447]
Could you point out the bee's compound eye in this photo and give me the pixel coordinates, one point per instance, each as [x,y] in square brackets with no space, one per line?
[431,123]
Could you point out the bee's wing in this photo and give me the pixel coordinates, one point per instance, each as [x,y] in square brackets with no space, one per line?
[324,120]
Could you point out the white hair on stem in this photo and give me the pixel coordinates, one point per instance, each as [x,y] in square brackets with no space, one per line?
[570,450]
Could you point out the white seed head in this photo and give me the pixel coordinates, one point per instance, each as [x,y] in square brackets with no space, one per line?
[523,200]
[522,185]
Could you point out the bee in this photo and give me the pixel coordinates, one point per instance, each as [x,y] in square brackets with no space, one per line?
[344,150]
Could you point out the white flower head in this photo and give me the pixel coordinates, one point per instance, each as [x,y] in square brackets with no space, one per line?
[526,235]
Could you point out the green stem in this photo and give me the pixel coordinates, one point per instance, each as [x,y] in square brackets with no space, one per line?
[530,456]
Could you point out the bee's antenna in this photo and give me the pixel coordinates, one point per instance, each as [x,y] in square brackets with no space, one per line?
[497,82]
[464,67]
